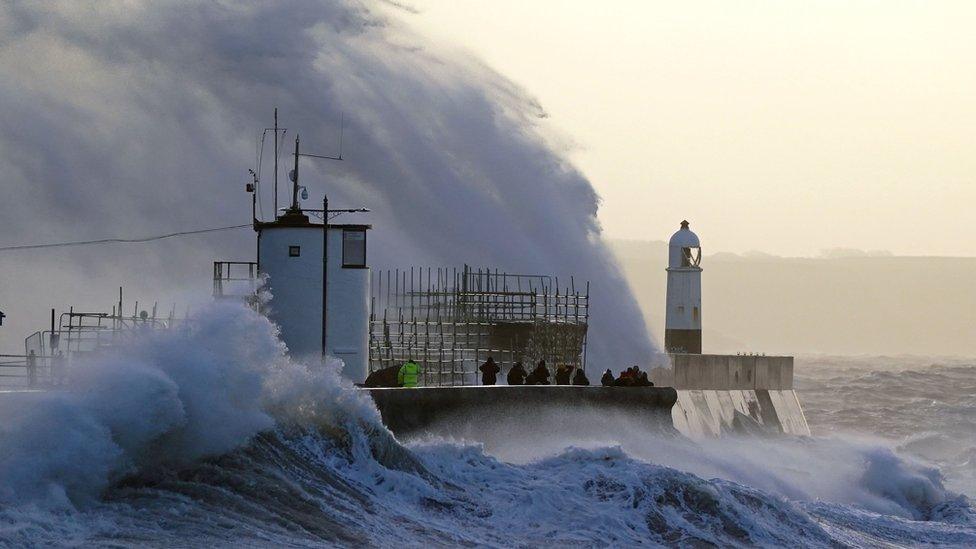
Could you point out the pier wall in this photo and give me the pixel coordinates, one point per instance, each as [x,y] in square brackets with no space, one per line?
[722,394]
[732,372]
[712,413]
[695,413]
[451,408]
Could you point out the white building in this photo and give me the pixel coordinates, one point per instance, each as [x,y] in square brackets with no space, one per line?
[319,282]
[682,324]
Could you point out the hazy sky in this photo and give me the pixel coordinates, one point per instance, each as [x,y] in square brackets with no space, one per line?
[787,127]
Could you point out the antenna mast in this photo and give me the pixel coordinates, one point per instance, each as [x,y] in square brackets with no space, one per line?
[276,164]
[294,188]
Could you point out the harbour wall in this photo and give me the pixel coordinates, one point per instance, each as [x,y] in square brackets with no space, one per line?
[726,372]
[702,413]
[449,410]
[723,394]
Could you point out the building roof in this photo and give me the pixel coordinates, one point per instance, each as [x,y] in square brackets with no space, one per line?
[297,220]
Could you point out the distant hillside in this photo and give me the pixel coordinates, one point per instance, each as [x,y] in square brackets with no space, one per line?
[841,305]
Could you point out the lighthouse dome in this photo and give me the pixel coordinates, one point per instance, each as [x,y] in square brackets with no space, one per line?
[684,248]
[684,238]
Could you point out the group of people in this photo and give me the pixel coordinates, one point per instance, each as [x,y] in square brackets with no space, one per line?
[631,377]
[539,376]
[409,374]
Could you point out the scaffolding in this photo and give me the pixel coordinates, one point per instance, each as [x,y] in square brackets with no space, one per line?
[48,354]
[450,320]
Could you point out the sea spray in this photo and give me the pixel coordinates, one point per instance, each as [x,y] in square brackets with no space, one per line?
[160,106]
[166,398]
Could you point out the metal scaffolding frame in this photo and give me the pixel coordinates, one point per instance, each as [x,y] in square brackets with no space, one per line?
[450,320]
[48,354]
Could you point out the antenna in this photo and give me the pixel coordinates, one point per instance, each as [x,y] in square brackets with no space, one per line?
[294,177]
[341,125]
[294,173]
[276,164]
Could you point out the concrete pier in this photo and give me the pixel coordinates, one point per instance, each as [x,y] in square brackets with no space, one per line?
[700,396]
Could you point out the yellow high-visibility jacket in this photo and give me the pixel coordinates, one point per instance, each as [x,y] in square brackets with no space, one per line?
[408,374]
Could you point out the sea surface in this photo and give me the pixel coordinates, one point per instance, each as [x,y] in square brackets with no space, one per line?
[214,438]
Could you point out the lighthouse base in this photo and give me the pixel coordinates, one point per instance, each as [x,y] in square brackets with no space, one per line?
[683,341]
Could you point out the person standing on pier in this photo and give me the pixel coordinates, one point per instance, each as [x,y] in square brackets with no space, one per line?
[579,378]
[409,374]
[516,376]
[539,376]
[563,373]
[489,372]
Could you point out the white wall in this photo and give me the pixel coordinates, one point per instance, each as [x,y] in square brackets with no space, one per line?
[296,287]
[348,311]
[684,290]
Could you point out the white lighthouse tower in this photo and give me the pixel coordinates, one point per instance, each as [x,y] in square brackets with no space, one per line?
[319,282]
[682,324]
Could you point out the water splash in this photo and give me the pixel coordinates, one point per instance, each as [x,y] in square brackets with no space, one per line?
[159,103]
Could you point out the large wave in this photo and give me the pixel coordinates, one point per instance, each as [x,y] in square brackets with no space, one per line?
[136,117]
[213,436]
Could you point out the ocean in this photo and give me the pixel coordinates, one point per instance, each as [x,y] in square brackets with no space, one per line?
[212,437]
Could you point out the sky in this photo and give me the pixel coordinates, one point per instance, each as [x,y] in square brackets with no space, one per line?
[788,127]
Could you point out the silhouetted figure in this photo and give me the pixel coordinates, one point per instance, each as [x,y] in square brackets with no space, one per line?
[563,373]
[516,376]
[387,377]
[580,377]
[628,378]
[539,376]
[489,372]
[642,380]
[607,379]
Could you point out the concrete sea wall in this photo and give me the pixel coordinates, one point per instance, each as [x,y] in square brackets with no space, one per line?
[448,410]
[721,394]
[732,372]
[711,413]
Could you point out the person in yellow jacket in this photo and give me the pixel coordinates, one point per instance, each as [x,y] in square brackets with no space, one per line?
[408,374]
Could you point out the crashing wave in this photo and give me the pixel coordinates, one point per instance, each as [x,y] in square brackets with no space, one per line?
[213,436]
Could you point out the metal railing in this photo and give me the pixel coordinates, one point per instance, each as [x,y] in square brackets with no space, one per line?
[235,279]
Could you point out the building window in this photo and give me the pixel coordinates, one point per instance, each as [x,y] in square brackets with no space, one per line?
[354,247]
[694,313]
[294,251]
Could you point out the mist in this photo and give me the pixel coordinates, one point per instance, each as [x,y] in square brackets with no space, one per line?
[845,302]
[136,118]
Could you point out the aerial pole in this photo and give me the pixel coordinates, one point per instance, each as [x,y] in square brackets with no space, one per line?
[276,163]
[294,178]
[325,273]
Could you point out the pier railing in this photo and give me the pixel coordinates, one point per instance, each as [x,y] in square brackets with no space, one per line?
[50,354]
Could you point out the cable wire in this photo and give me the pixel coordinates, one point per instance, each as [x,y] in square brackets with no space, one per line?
[119,240]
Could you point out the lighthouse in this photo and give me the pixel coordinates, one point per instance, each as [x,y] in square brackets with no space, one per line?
[682,324]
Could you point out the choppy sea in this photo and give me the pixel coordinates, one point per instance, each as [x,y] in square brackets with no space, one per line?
[214,438]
